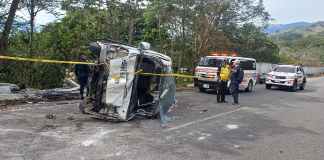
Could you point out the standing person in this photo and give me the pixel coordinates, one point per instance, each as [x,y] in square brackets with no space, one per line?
[224,75]
[82,73]
[236,79]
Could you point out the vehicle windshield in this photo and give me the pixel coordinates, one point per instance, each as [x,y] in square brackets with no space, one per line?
[210,62]
[285,69]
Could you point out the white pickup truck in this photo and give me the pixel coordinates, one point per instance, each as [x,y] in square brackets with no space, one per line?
[290,76]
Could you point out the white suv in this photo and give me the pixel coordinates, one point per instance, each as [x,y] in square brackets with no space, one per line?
[290,76]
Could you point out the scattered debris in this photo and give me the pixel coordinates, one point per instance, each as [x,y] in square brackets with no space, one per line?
[201,138]
[250,135]
[71,118]
[49,126]
[50,116]
[232,126]
[7,88]
[237,146]
[11,94]
[200,109]
[204,111]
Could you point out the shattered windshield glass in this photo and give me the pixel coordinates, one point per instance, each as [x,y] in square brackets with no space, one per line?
[167,98]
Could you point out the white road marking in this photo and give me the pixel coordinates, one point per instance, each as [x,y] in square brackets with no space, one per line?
[202,120]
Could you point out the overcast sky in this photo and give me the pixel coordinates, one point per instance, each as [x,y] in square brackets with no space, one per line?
[283,11]
[289,11]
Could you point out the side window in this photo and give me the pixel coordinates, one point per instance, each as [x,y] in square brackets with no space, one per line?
[248,65]
[253,65]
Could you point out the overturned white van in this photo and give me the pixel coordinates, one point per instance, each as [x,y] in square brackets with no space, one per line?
[118,88]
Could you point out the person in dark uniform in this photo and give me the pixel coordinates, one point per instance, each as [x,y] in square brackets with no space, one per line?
[82,73]
[236,79]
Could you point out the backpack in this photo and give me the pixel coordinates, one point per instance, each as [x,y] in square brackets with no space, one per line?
[224,73]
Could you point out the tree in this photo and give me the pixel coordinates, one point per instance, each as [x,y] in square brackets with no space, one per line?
[34,7]
[7,26]
[250,41]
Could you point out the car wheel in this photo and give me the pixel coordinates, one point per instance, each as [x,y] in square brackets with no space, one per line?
[268,86]
[201,89]
[302,87]
[294,87]
[250,87]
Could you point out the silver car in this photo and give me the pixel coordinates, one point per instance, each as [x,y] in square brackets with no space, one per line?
[288,76]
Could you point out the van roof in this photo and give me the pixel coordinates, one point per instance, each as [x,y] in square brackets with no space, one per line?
[231,57]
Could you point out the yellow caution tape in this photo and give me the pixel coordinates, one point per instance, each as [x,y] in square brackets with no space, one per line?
[165,75]
[88,63]
[43,60]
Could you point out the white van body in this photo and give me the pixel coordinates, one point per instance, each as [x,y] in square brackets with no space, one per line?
[207,69]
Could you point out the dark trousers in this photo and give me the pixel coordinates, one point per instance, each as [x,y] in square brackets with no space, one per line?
[235,92]
[221,91]
[83,85]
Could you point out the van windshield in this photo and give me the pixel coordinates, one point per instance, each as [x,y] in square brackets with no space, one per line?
[285,69]
[210,62]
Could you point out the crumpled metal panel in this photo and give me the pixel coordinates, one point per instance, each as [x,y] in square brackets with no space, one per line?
[119,84]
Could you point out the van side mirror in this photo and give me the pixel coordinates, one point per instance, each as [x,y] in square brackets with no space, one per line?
[144,46]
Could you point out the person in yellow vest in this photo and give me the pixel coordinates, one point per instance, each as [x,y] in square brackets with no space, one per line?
[224,73]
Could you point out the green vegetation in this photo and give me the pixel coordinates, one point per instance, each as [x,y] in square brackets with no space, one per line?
[302,45]
[184,30]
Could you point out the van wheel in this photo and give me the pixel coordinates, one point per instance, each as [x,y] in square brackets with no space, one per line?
[294,87]
[250,87]
[268,86]
[201,89]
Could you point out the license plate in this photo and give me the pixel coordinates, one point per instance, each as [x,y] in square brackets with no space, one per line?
[206,86]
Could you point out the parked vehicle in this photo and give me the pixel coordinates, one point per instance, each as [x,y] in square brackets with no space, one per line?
[289,76]
[119,90]
[262,78]
[207,69]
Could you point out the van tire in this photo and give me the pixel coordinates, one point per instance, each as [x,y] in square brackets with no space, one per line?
[268,86]
[250,87]
[201,89]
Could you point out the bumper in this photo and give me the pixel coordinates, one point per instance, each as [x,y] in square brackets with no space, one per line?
[277,82]
[207,84]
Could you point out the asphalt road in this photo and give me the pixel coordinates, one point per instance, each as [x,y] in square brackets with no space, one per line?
[270,125]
